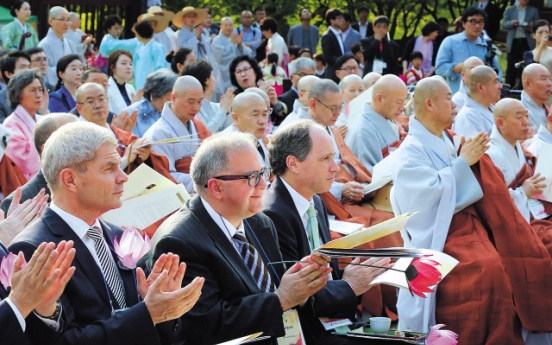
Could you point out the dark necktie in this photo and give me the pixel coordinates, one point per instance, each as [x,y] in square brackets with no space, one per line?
[108,268]
[260,149]
[253,261]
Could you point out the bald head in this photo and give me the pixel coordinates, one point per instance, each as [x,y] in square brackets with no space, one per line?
[428,89]
[537,83]
[307,82]
[244,100]
[259,92]
[472,62]
[48,125]
[387,84]
[480,75]
[370,79]
[388,96]
[184,84]
[533,71]
[505,107]
[86,89]
[92,103]
[351,78]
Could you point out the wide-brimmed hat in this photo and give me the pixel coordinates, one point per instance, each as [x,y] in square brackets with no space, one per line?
[178,19]
[162,21]
[157,10]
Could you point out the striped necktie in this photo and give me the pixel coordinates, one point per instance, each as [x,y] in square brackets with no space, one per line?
[253,261]
[312,228]
[108,268]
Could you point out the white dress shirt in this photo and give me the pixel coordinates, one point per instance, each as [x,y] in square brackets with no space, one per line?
[226,227]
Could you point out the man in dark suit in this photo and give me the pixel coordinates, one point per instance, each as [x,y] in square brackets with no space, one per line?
[10,65]
[332,42]
[298,68]
[42,131]
[381,55]
[301,157]
[34,291]
[492,21]
[220,236]
[364,27]
[103,299]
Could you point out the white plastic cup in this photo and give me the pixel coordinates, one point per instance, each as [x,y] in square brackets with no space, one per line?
[380,324]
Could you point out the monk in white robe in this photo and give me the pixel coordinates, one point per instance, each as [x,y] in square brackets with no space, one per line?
[375,134]
[301,104]
[477,114]
[459,98]
[537,88]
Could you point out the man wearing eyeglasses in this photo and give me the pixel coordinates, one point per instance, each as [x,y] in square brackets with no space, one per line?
[55,45]
[93,106]
[221,236]
[346,65]
[455,49]
[40,61]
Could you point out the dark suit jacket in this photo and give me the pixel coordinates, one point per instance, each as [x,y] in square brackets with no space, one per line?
[336,299]
[369,29]
[5,109]
[85,299]
[11,332]
[389,54]
[331,50]
[231,305]
[288,98]
[30,190]
[492,23]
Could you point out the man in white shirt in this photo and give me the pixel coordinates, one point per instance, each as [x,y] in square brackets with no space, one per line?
[477,114]
[250,115]
[537,88]
[378,122]
[178,119]
[459,98]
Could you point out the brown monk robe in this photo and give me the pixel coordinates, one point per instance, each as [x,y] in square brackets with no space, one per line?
[504,276]
[380,300]
[10,176]
[183,165]
[543,227]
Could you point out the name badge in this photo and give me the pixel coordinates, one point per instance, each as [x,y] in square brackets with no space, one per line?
[294,333]
[378,66]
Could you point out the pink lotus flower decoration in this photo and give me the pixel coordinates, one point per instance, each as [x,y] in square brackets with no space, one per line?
[421,274]
[6,269]
[132,247]
[439,336]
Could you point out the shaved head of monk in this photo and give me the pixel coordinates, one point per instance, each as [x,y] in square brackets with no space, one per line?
[484,85]
[388,96]
[469,64]
[537,83]
[433,104]
[512,120]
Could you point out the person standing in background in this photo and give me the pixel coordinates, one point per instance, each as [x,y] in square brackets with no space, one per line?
[304,35]
[12,33]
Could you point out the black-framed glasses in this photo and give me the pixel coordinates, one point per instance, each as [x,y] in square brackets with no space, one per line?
[350,69]
[475,22]
[332,109]
[253,179]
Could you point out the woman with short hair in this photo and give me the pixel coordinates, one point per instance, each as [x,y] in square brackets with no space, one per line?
[25,93]
[69,72]
[423,44]
[149,55]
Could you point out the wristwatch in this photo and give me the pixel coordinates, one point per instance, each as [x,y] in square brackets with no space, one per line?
[56,314]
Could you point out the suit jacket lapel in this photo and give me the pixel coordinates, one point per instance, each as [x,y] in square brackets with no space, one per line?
[83,258]
[226,248]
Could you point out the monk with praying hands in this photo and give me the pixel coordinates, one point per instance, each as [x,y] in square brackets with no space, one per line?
[498,292]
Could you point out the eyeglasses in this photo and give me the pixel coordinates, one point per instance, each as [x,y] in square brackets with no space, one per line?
[67,20]
[40,59]
[332,109]
[475,22]
[253,179]
[243,70]
[91,103]
[349,69]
